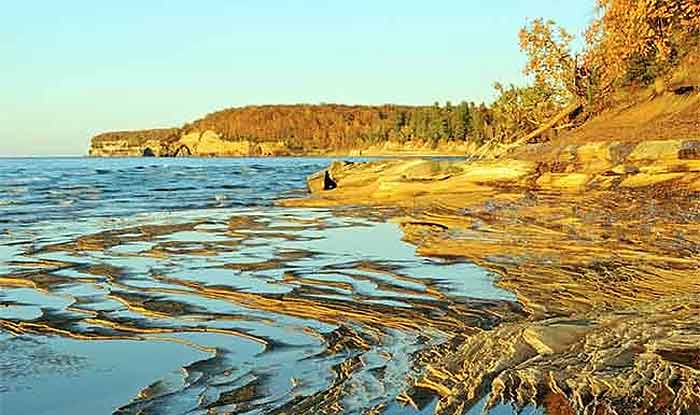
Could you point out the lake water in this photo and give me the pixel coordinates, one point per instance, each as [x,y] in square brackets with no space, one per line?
[175,286]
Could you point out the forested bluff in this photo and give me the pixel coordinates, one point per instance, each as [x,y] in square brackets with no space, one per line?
[303,129]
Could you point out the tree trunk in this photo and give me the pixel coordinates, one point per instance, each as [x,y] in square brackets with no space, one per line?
[571,108]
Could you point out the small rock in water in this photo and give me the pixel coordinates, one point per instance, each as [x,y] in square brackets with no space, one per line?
[328,182]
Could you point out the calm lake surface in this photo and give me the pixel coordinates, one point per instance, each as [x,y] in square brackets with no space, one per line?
[175,286]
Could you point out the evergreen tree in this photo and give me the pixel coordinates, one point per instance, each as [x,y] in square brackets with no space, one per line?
[445,120]
[436,128]
[462,121]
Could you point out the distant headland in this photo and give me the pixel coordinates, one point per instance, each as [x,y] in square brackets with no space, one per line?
[292,130]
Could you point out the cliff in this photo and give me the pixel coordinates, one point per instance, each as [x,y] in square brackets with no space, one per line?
[132,143]
[211,144]
[169,143]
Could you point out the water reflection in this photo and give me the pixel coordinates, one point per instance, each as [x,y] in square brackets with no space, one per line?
[230,310]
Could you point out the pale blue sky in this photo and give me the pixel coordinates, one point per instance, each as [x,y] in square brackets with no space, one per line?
[73,68]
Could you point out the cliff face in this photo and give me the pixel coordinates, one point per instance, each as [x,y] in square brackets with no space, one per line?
[211,144]
[169,143]
[175,143]
[131,143]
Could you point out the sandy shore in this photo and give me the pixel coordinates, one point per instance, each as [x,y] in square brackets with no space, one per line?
[602,247]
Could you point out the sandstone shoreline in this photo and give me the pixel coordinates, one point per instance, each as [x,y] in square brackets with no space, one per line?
[170,143]
[601,245]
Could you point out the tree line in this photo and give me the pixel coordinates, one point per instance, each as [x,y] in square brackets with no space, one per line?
[307,126]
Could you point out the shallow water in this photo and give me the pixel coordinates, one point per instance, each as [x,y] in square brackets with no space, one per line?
[175,286]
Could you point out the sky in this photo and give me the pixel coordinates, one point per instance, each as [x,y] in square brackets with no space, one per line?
[71,69]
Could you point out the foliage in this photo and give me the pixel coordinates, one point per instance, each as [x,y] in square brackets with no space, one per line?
[630,42]
[139,137]
[343,126]
[521,109]
[651,31]
[637,41]
[550,61]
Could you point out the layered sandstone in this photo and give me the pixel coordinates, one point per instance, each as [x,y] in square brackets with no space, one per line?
[606,166]
[169,143]
[601,244]
[208,143]
[131,143]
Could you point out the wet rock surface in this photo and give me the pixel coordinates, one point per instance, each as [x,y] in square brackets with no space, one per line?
[278,312]
[601,249]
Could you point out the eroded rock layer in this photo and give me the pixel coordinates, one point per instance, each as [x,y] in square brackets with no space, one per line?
[169,143]
[601,246]
[208,143]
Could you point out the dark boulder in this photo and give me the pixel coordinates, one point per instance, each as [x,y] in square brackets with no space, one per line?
[328,179]
[328,182]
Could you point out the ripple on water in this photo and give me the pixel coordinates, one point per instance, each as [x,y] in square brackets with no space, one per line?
[246,309]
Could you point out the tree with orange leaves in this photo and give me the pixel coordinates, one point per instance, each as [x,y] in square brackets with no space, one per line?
[636,32]
[550,60]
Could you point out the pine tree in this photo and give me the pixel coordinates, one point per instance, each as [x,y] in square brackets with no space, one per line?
[462,121]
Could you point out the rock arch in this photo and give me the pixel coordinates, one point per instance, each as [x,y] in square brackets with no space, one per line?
[182,151]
